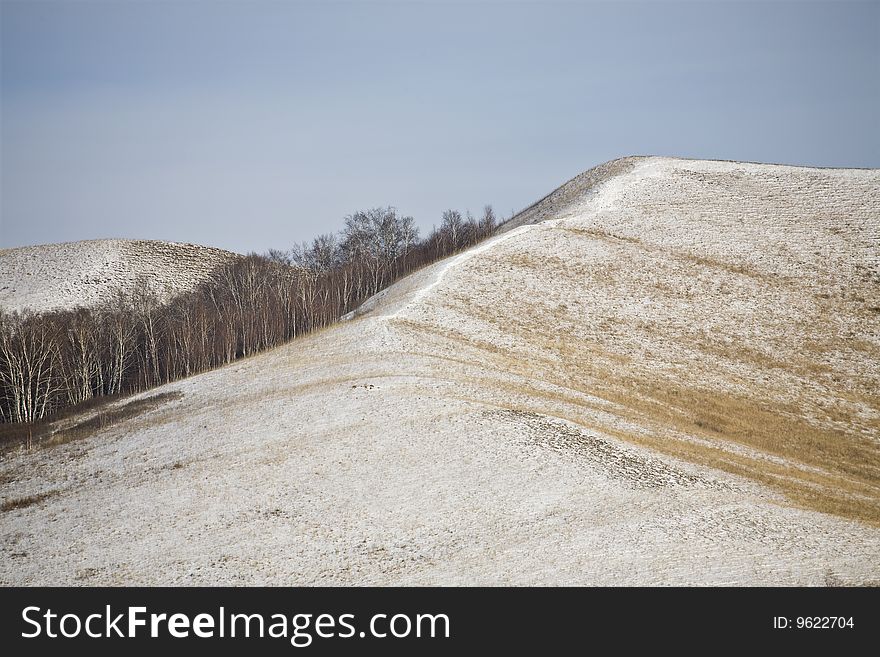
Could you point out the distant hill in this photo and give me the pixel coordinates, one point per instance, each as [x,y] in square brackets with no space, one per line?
[88,273]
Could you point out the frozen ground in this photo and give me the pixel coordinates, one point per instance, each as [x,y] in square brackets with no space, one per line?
[659,383]
[87,274]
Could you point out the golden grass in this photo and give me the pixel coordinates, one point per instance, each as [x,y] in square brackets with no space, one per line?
[826,466]
[842,473]
[832,472]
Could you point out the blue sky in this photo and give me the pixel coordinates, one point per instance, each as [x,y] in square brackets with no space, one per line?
[249,125]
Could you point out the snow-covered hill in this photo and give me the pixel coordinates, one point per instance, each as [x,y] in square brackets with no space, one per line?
[90,273]
[670,378]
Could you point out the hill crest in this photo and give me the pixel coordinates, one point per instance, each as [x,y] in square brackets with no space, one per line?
[89,273]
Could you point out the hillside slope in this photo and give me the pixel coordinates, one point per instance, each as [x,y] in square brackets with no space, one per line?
[671,378]
[89,273]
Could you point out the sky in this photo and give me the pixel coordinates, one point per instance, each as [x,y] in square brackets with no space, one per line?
[251,125]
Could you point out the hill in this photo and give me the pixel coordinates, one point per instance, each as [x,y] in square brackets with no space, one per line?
[663,375]
[90,273]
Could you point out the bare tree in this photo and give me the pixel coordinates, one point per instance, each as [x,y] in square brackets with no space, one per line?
[81,364]
[145,307]
[29,365]
[487,221]
[451,229]
[377,239]
[279,257]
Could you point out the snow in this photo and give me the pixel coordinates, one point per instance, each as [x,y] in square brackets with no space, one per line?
[478,422]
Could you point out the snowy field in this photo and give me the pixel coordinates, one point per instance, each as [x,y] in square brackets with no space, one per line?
[89,274]
[672,378]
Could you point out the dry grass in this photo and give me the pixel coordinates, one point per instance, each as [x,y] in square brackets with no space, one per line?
[828,466]
[842,473]
[830,472]
[827,470]
[80,422]
[737,268]
[598,233]
[729,267]
[24,502]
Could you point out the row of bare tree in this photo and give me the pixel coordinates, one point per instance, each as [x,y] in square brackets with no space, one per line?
[51,361]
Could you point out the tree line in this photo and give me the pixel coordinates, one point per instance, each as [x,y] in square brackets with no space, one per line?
[54,360]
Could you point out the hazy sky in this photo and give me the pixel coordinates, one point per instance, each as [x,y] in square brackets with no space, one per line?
[249,125]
